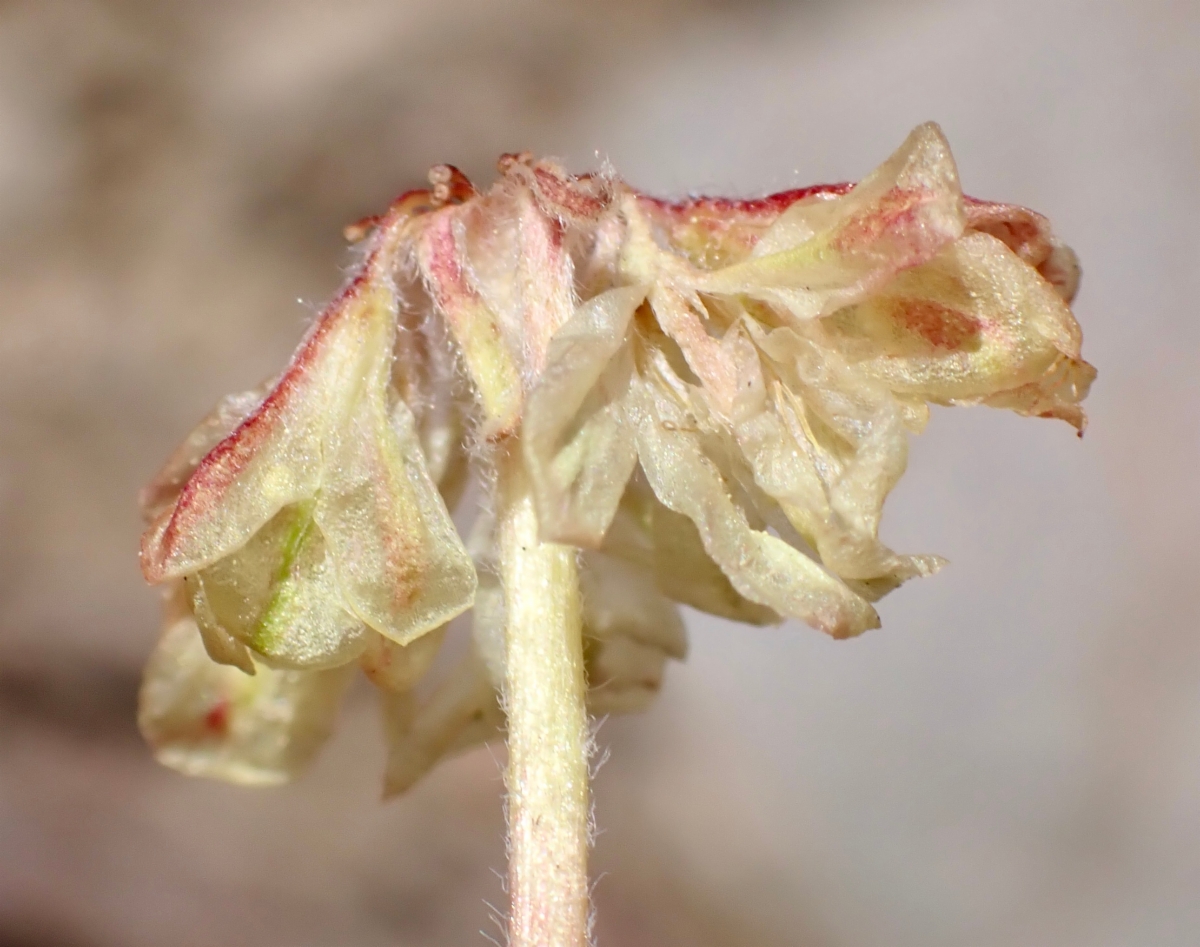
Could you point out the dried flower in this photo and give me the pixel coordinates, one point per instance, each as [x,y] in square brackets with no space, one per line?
[710,398]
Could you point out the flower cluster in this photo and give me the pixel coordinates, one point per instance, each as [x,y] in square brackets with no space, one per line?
[711,400]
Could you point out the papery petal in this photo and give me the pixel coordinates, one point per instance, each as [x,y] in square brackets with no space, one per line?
[280,596]
[575,200]
[827,444]
[715,232]
[1056,394]
[516,260]
[401,566]
[206,719]
[492,364]
[545,280]
[488,614]
[360,533]
[760,566]
[668,547]
[821,255]
[274,457]
[578,440]
[1028,234]
[686,321]
[625,676]
[161,492]
[400,667]
[974,322]
[425,377]
[622,601]
[221,646]
[630,630]
[461,713]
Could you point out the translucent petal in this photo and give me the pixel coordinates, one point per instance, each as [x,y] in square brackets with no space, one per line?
[490,361]
[488,614]
[1056,394]
[275,456]
[1028,234]
[624,676]
[623,601]
[668,547]
[425,377]
[685,320]
[972,323]
[206,719]
[161,492]
[462,712]
[516,260]
[399,667]
[760,566]
[827,445]
[279,595]
[715,232]
[578,440]
[821,255]
[630,630]
[221,646]
[545,281]
[401,566]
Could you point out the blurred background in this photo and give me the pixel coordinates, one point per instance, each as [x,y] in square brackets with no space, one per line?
[1013,760]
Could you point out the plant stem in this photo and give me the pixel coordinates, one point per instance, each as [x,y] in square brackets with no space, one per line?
[544,690]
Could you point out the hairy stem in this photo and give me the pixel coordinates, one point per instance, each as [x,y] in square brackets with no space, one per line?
[544,689]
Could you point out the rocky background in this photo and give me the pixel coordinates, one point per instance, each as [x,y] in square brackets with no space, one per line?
[1014,760]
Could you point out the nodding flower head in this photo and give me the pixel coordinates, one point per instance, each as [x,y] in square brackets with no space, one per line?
[711,399]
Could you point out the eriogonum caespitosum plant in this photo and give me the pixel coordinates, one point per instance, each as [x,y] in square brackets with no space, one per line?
[703,402]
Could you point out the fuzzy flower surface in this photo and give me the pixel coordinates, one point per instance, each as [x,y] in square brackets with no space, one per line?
[711,398]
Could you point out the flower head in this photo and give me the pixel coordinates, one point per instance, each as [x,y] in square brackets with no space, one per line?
[711,399]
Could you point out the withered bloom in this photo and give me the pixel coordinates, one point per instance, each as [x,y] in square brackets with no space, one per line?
[711,399]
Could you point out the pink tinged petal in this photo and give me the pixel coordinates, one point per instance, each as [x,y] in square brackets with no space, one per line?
[578,439]
[461,713]
[830,486]
[401,566]
[973,323]
[487,240]
[667,546]
[206,719]
[715,232]
[425,376]
[1056,394]
[489,361]
[515,259]
[760,566]
[1028,234]
[678,309]
[365,540]
[822,255]
[681,316]
[161,493]
[399,668]
[546,282]
[599,256]
[1061,270]
[279,596]
[274,457]
[575,200]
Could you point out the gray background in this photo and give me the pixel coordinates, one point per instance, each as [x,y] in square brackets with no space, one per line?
[1013,760]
